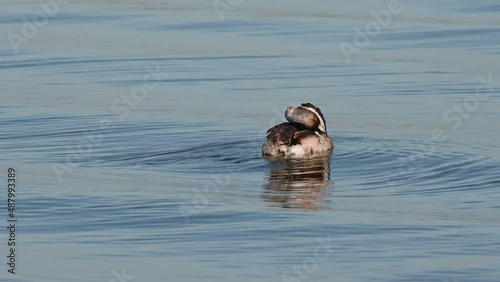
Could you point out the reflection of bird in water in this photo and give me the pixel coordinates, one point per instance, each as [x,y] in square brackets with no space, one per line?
[299,183]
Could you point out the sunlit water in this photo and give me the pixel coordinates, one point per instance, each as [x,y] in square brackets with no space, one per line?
[172,187]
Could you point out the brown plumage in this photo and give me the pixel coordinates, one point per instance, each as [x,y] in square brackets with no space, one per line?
[304,134]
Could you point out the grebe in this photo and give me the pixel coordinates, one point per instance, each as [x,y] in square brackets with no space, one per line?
[303,136]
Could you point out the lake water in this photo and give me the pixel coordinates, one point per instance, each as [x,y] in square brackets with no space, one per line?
[135,129]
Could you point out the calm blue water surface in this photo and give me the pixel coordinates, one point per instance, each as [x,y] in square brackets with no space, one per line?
[170,185]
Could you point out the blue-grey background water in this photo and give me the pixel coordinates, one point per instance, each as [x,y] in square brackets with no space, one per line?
[169,184]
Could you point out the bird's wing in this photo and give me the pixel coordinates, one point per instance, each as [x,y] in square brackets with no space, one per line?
[283,133]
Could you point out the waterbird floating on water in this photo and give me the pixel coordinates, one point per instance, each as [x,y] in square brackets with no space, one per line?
[303,136]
